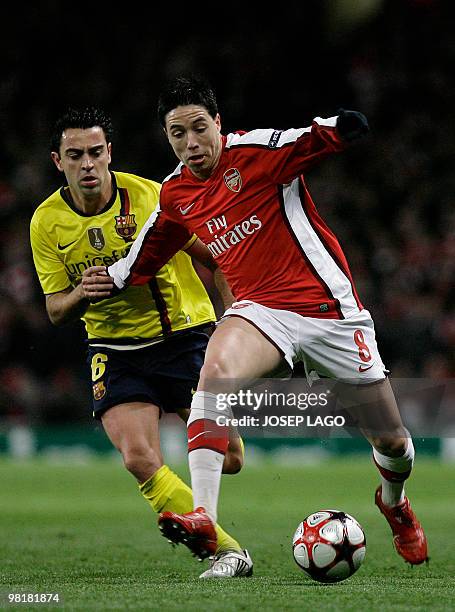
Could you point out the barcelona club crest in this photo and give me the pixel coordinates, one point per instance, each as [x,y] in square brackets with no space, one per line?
[233,180]
[96,238]
[99,390]
[125,226]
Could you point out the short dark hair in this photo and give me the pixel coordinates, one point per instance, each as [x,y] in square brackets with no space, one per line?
[83,118]
[183,91]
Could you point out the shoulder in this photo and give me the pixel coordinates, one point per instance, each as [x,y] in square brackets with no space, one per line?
[133,181]
[173,183]
[48,208]
[170,179]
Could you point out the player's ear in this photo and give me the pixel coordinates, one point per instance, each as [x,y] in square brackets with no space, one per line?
[57,161]
[109,152]
[218,121]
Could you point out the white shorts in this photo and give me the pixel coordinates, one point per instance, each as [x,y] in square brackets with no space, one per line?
[343,349]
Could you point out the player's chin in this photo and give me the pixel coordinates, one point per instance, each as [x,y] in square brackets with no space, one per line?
[202,170]
[93,187]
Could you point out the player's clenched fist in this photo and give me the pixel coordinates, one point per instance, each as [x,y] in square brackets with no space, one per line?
[97,284]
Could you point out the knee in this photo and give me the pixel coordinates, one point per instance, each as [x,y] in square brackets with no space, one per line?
[390,446]
[142,462]
[215,370]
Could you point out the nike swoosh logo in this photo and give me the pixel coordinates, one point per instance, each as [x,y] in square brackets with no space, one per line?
[363,369]
[184,211]
[62,247]
[197,436]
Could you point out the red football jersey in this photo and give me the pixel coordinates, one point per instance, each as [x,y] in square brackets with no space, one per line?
[258,220]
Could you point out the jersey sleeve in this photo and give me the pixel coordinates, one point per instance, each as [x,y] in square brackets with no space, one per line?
[190,243]
[49,267]
[285,154]
[159,239]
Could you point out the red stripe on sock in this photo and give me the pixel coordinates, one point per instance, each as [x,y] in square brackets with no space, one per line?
[205,433]
[392,476]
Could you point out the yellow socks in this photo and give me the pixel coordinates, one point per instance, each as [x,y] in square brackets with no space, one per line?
[165,491]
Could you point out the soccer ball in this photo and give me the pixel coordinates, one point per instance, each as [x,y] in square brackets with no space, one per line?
[329,545]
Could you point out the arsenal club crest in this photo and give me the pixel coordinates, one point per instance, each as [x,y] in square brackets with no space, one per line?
[125,226]
[233,180]
[96,238]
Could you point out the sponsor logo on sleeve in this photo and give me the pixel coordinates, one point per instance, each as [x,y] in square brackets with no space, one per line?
[274,138]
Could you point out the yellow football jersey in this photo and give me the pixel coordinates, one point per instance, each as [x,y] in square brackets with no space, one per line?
[65,242]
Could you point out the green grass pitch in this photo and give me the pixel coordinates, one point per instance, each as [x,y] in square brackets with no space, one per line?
[83,531]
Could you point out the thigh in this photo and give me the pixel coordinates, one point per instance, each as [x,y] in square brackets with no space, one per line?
[241,350]
[133,425]
[271,328]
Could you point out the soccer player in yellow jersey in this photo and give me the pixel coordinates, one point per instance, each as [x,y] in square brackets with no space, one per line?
[146,345]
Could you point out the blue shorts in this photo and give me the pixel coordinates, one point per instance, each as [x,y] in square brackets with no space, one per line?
[165,374]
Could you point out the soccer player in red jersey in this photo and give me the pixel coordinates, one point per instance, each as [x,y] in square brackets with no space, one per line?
[244,195]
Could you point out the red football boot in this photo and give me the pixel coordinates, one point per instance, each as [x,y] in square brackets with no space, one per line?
[194,529]
[408,536]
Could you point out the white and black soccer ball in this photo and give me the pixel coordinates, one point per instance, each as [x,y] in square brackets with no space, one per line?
[329,545]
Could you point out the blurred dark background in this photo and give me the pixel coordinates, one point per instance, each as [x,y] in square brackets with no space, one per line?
[390,198]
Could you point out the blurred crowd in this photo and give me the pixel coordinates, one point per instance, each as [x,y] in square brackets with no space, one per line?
[390,199]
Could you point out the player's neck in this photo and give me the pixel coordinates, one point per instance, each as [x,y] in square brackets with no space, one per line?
[92,204]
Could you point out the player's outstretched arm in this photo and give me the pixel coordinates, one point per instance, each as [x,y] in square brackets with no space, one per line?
[159,239]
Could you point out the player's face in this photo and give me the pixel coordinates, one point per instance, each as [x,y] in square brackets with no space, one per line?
[84,157]
[195,137]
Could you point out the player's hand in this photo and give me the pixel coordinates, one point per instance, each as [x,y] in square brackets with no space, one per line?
[97,284]
[351,125]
